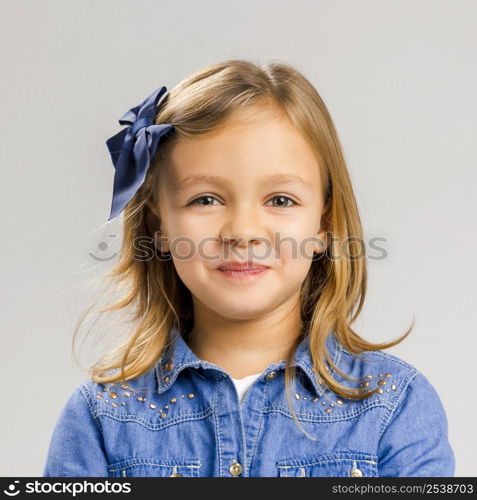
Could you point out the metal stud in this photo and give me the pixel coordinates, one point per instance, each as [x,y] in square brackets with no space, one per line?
[191,395]
[169,366]
[332,404]
[271,376]
[182,395]
[394,387]
[328,410]
[152,405]
[163,415]
[314,400]
[175,473]
[235,469]
[99,396]
[369,376]
[124,386]
[127,394]
[166,407]
[380,391]
[167,378]
[297,396]
[388,375]
[140,398]
[304,398]
[114,404]
[323,402]
[173,400]
[382,382]
[123,403]
[338,401]
[355,472]
[113,395]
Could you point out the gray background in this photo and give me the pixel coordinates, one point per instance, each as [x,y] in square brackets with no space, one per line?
[400,81]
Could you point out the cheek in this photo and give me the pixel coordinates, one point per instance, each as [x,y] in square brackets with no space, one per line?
[293,265]
[191,240]
[296,247]
[192,272]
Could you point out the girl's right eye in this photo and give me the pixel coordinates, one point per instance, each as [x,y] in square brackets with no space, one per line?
[206,197]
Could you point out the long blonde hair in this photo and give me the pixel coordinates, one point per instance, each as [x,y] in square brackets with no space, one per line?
[333,293]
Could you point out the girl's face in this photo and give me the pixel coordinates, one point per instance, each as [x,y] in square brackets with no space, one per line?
[247,192]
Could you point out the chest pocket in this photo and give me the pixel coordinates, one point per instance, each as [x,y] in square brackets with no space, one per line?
[339,464]
[154,467]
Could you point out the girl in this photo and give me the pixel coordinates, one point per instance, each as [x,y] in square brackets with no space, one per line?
[244,265]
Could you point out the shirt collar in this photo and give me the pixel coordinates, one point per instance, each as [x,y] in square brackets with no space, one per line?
[178,356]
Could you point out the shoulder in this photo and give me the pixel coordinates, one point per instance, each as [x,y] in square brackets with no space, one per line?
[413,428]
[375,365]
[395,378]
[118,398]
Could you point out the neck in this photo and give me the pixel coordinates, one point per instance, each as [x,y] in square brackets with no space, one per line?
[245,347]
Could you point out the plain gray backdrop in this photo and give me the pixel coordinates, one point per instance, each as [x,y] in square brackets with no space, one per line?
[400,81]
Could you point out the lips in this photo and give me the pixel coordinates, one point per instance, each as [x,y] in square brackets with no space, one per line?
[241,266]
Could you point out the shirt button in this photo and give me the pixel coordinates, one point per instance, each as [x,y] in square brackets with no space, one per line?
[271,376]
[355,472]
[235,469]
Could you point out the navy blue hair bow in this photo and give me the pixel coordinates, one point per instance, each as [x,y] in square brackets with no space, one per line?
[133,149]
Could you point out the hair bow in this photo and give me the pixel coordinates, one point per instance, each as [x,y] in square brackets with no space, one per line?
[133,149]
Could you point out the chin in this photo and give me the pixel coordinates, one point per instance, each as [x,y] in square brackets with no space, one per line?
[240,309]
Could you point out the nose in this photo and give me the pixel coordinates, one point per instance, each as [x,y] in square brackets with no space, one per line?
[243,227]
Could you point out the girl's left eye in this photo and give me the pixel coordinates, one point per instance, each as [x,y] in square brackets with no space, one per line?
[283,201]
[282,197]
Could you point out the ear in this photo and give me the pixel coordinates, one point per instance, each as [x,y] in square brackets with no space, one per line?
[322,234]
[153,224]
[321,242]
[152,218]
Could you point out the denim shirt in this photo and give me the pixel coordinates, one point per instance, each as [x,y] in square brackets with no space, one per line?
[183,418]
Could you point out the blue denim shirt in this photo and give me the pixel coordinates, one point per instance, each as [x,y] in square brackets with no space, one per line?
[183,418]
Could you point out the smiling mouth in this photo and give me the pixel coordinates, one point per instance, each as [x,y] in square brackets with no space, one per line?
[242,270]
[247,273]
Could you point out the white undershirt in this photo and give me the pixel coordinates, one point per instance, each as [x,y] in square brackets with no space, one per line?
[242,384]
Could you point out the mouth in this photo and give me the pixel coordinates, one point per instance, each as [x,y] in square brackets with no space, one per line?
[239,270]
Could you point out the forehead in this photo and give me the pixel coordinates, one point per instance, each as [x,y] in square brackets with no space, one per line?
[252,144]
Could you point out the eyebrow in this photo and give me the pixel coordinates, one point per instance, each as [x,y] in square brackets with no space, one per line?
[221,181]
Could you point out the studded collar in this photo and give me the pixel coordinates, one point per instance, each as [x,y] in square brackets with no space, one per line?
[179,356]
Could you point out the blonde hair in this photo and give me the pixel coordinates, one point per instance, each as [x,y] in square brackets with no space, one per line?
[333,293]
